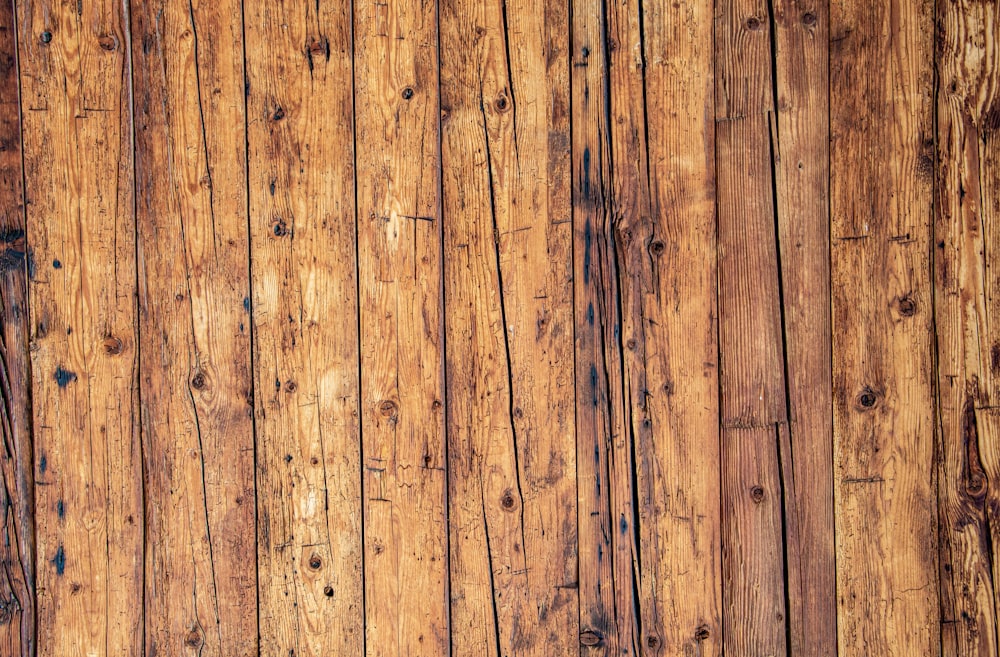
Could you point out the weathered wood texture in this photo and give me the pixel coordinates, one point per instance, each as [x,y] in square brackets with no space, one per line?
[881,172]
[195,383]
[967,245]
[502,327]
[17,532]
[304,307]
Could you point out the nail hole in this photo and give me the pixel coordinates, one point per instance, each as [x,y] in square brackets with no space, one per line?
[315,562]
[867,398]
[46,37]
[407,93]
[328,591]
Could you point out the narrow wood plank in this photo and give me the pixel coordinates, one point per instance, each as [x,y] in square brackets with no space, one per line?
[198,442]
[508,291]
[663,238]
[76,112]
[967,240]
[17,525]
[402,350]
[302,226]
[881,169]
[753,397]
[801,161]
[599,403]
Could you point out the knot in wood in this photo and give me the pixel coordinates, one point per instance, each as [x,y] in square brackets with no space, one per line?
[757,494]
[388,408]
[591,638]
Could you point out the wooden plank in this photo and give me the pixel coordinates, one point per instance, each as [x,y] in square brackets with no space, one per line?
[752,390]
[402,350]
[508,291]
[301,172]
[881,169]
[967,240]
[801,162]
[663,239]
[198,441]
[599,402]
[17,526]
[78,169]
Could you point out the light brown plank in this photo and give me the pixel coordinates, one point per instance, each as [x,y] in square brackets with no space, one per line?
[801,162]
[752,390]
[508,273]
[967,243]
[17,524]
[198,443]
[881,169]
[81,243]
[301,171]
[402,348]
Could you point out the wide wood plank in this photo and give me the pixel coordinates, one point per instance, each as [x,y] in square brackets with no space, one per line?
[753,399]
[801,162]
[402,347]
[508,292]
[664,239]
[17,523]
[967,243]
[881,171]
[81,259]
[197,423]
[304,306]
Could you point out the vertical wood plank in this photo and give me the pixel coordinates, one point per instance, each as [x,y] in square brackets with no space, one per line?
[198,442]
[801,162]
[754,413]
[301,172]
[402,350]
[881,170]
[967,242]
[508,273]
[666,526]
[81,261]
[599,412]
[17,526]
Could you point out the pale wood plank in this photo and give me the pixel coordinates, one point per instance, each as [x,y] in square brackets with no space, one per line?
[302,224]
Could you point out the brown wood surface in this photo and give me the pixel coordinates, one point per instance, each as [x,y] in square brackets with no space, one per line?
[502,327]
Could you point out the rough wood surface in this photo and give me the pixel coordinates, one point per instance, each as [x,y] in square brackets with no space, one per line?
[81,259]
[881,172]
[509,329]
[17,530]
[304,307]
[195,383]
[404,455]
[611,328]
[967,244]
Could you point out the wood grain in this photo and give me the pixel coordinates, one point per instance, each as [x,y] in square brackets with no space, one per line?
[197,420]
[508,292]
[304,306]
[402,334]
[17,514]
[881,171]
[967,242]
[81,259]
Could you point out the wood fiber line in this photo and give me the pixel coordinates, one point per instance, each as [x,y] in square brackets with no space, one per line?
[17,524]
[881,171]
[801,164]
[752,391]
[508,295]
[194,288]
[80,253]
[967,244]
[397,132]
[302,229]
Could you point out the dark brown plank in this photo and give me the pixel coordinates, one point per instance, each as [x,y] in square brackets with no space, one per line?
[17,527]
